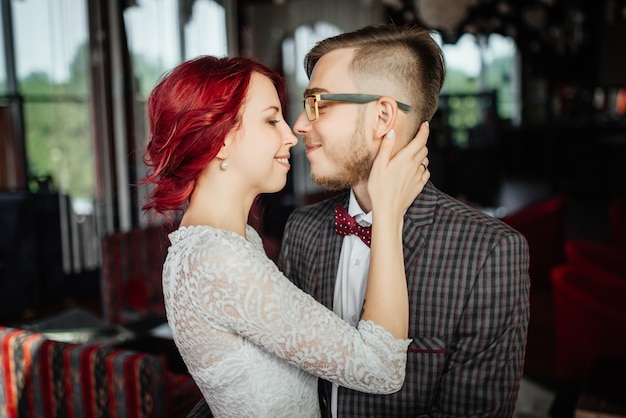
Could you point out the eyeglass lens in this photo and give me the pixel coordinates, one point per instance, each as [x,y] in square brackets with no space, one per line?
[309,107]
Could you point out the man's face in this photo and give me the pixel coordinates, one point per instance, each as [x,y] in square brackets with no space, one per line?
[339,143]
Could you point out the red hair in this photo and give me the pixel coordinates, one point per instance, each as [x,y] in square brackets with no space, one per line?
[191,111]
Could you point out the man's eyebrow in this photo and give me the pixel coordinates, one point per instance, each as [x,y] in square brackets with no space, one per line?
[315,90]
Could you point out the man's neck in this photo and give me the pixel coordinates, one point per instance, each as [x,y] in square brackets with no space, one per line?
[362,196]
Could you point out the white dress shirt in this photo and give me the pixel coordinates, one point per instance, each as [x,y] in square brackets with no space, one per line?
[352,274]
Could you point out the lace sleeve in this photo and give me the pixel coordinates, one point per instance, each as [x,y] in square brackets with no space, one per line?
[241,290]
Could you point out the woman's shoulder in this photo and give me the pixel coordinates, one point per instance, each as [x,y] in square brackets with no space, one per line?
[207,233]
[208,240]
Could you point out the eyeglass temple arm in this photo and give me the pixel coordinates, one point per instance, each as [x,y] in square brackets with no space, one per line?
[359,98]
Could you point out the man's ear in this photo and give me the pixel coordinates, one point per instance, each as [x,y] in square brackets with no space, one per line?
[386,117]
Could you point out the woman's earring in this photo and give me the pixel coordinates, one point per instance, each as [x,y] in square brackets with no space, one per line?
[224,165]
[390,134]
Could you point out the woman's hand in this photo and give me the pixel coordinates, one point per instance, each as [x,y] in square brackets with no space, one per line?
[395,182]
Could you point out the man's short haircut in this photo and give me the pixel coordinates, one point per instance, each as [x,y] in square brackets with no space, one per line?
[407,55]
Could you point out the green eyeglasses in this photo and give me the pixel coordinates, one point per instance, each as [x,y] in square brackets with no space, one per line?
[311,102]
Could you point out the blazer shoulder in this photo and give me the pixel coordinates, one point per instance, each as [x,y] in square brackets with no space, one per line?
[454,211]
[317,212]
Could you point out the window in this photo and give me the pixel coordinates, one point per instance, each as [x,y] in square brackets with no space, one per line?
[52,69]
[158,41]
[482,83]
[205,32]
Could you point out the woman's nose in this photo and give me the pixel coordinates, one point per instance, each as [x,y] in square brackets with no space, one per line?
[290,138]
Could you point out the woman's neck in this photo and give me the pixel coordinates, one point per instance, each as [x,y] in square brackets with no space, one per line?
[221,208]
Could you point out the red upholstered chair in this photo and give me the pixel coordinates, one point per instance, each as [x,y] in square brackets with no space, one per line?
[596,254]
[617,221]
[543,226]
[590,310]
[132,263]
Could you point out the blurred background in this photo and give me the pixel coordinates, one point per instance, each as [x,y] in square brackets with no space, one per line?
[531,129]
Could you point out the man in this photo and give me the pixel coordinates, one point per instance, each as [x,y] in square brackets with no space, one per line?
[467,273]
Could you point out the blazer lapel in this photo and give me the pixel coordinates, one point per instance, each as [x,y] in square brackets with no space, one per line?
[328,251]
[418,215]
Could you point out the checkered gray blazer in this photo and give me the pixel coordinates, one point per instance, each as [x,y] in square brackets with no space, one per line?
[468,287]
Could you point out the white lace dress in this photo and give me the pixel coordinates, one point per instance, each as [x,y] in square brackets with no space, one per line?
[253,342]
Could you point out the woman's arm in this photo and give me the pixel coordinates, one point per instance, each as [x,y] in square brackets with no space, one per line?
[242,292]
[393,185]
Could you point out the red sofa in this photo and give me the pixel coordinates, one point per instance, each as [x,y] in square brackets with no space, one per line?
[40,377]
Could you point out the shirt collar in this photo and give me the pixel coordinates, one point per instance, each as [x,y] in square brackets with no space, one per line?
[354,209]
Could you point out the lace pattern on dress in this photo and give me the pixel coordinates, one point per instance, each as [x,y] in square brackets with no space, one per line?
[250,337]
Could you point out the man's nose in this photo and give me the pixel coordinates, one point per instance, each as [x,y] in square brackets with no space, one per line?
[302,125]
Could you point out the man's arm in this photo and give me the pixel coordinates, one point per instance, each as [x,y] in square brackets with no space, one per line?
[284,259]
[486,365]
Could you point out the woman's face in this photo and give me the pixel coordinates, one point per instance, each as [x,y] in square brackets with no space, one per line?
[261,148]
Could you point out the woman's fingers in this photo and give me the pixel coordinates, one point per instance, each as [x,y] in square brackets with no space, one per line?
[416,149]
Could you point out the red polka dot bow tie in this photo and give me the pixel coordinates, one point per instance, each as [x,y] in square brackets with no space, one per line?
[346,225]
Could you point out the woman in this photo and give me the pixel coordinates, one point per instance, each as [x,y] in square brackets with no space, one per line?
[253,341]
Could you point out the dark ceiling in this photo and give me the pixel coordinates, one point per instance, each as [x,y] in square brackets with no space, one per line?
[571,38]
[555,21]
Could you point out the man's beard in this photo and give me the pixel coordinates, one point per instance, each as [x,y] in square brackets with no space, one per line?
[354,166]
